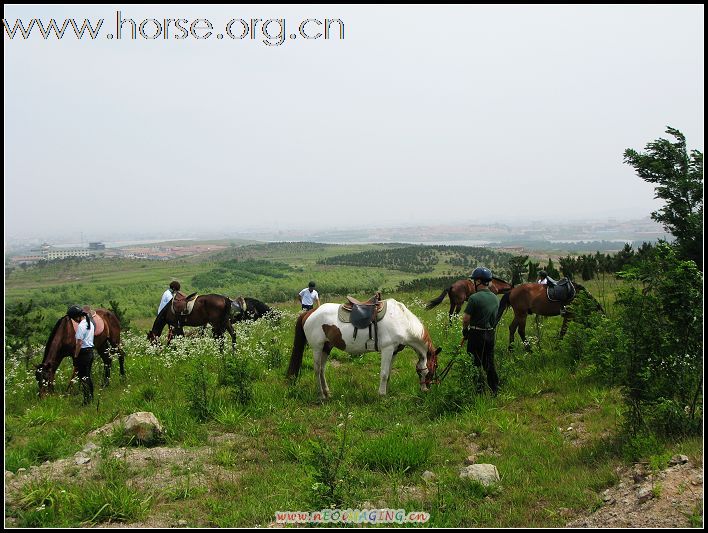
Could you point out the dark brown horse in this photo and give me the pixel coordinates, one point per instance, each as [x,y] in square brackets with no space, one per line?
[531,298]
[62,343]
[460,291]
[249,309]
[211,309]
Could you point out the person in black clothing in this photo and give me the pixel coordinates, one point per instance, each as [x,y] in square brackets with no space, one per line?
[478,325]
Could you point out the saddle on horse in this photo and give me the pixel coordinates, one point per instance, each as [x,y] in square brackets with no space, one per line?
[561,291]
[364,315]
[182,305]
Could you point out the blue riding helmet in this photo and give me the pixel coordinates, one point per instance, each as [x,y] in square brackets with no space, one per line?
[483,274]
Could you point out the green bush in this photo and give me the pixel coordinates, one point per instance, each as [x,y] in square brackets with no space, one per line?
[653,348]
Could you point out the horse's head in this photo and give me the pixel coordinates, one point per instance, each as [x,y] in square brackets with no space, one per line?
[45,379]
[154,338]
[431,366]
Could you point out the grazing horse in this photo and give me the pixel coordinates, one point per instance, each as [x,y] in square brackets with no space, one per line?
[211,309]
[249,309]
[322,330]
[531,298]
[460,291]
[62,343]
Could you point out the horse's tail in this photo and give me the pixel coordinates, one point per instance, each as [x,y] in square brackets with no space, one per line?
[503,304]
[227,310]
[439,299]
[112,323]
[298,346]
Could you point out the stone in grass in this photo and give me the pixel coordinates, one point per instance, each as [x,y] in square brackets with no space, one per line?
[486,474]
[143,426]
[428,476]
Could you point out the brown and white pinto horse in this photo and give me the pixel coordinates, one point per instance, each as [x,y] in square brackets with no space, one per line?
[460,291]
[322,330]
[62,343]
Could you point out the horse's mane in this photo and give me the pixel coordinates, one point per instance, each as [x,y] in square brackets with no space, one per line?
[160,320]
[51,337]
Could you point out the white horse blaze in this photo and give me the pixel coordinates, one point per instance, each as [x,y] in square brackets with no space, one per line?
[399,327]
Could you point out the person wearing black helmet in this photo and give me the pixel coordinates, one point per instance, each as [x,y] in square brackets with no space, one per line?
[478,325]
[83,353]
[545,279]
[308,297]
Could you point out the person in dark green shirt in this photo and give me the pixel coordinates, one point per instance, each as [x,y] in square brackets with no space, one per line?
[478,324]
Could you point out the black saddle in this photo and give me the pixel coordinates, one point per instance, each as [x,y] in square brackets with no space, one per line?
[561,291]
[364,315]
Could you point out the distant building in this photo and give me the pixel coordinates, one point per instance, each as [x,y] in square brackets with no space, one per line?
[97,246]
[57,253]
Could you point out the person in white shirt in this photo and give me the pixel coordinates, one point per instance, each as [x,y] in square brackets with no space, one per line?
[545,279]
[167,298]
[168,295]
[309,296]
[83,353]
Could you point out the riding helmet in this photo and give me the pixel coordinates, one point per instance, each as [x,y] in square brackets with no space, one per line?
[311,285]
[175,286]
[74,311]
[482,273]
[542,273]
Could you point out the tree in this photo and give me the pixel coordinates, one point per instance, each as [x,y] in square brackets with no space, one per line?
[568,266]
[534,267]
[120,314]
[517,266]
[551,270]
[679,181]
[20,328]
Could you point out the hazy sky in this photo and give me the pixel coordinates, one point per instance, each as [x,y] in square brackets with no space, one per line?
[418,115]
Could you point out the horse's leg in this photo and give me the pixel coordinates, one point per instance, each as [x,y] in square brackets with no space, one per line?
[386,360]
[564,325]
[452,311]
[231,331]
[512,329]
[320,359]
[522,331]
[218,333]
[326,350]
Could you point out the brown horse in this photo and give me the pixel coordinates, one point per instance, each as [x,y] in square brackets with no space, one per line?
[531,298]
[460,291]
[62,343]
[211,309]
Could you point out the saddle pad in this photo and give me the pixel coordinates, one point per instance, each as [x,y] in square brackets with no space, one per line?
[190,306]
[345,316]
[97,322]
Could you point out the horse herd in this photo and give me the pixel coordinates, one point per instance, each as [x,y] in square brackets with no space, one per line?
[322,328]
